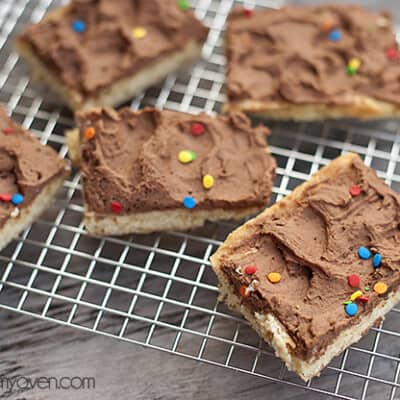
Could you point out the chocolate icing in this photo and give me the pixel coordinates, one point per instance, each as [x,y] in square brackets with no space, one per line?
[133,159]
[314,247]
[25,165]
[284,56]
[107,51]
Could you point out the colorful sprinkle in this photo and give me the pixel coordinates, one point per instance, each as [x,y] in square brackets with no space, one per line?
[355,190]
[377,260]
[250,269]
[197,129]
[189,202]
[7,130]
[367,288]
[354,280]
[363,299]
[335,35]
[186,156]
[5,197]
[79,26]
[382,22]
[139,32]
[17,198]
[183,4]
[208,181]
[347,302]
[248,12]
[364,253]
[244,291]
[353,66]
[116,207]
[274,277]
[14,213]
[89,133]
[327,24]
[392,54]
[351,309]
[356,295]
[380,288]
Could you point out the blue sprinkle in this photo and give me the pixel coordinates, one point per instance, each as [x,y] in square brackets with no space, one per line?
[79,26]
[351,309]
[376,261]
[189,202]
[335,35]
[17,198]
[364,253]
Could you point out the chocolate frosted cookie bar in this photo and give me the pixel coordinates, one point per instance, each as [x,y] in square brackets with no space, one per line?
[30,173]
[101,52]
[152,170]
[313,62]
[315,271]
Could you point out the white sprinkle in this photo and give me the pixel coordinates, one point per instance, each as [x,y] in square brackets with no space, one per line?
[238,271]
[382,22]
[15,212]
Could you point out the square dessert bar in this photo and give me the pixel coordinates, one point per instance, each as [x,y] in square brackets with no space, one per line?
[30,175]
[314,272]
[313,62]
[101,52]
[153,170]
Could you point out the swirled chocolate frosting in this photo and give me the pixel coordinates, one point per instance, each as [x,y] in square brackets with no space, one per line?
[103,48]
[301,55]
[26,165]
[314,245]
[133,160]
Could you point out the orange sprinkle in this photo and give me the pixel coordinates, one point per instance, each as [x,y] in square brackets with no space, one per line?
[244,292]
[327,25]
[380,288]
[89,133]
[274,277]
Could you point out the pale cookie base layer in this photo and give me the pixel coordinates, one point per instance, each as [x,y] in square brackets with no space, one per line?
[267,325]
[156,221]
[120,91]
[360,107]
[14,226]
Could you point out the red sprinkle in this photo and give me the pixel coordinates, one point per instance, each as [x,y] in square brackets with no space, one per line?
[7,131]
[197,129]
[5,197]
[244,292]
[355,190]
[248,12]
[392,54]
[250,269]
[116,207]
[354,280]
[363,299]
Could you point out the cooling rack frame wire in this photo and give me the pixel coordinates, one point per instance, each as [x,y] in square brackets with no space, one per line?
[158,290]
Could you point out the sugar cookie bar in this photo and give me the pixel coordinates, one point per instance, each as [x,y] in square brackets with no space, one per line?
[99,53]
[314,272]
[152,170]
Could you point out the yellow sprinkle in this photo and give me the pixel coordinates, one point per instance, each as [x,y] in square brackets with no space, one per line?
[380,288]
[274,277]
[354,63]
[208,181]
[186,156]
[139,33]
[356,295]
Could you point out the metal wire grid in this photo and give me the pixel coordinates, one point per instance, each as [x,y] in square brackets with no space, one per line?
[158,290]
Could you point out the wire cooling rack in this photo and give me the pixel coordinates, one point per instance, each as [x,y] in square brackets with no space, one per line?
[158,290]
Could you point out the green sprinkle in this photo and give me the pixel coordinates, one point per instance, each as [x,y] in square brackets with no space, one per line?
[193,154]
[347,302]
[183,4]
[367,289]
[351,71]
